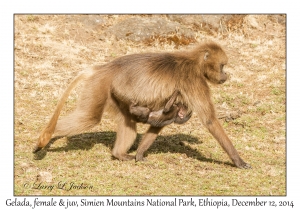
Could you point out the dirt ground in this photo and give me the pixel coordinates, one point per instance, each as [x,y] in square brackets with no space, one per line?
[185,159]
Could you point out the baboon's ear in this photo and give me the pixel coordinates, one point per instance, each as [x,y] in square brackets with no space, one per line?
[206,55]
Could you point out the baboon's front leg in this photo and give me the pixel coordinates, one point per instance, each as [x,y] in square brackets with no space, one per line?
[147,140]
[218,132]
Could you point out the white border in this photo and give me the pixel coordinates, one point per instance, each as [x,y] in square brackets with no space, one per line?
[9,8]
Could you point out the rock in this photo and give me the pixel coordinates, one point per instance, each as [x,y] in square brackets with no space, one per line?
[251,20]
[44,176]
[188,20]
[235,114]
[211,24]
[281,19]
[256,103]
[230,115]
[89,21]
[92,20]
[139,29]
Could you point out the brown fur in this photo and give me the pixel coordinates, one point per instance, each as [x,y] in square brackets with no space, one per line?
[170,113]
[148,79]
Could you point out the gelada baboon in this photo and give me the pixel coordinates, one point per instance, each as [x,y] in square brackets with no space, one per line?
[172,112]
[147,79]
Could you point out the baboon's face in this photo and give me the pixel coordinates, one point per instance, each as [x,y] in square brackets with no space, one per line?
[214,67]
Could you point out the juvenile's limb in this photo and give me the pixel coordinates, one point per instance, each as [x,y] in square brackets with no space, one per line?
[140,113]
[170,102]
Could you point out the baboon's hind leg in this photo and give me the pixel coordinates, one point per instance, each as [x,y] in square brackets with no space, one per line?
[87,114]
[74,123]
[126,134]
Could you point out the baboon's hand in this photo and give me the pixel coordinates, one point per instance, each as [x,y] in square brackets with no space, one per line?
[243,165]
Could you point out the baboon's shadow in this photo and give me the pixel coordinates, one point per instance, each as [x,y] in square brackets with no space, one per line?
[163,144]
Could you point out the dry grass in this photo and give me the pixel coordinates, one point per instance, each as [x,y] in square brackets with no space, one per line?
[185,159]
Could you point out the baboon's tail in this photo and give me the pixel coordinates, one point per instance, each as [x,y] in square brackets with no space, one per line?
[49,129]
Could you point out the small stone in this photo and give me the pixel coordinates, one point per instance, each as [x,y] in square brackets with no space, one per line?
[44,176]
